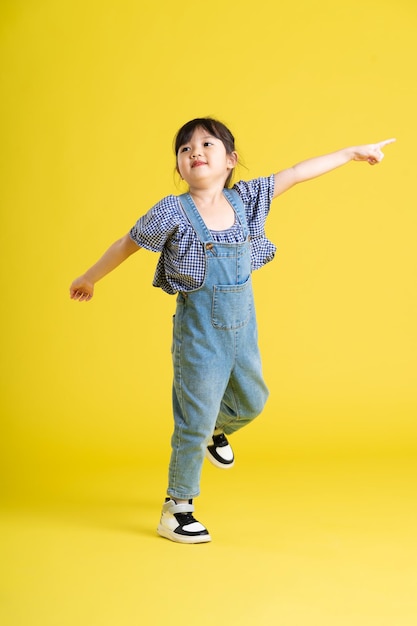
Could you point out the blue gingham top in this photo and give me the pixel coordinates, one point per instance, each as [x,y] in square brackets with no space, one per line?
[181,265]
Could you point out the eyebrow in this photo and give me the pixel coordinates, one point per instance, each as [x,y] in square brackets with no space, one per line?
[203,137]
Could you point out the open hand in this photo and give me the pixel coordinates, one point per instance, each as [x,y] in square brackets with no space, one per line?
[372,153]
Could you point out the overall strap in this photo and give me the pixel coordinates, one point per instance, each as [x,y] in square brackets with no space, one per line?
[195,218]
[237,203]
[197,221]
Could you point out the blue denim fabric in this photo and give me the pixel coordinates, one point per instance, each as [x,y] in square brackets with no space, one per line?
[217,366]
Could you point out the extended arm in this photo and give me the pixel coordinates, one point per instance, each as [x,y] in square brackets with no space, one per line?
[82,288]
[311,168]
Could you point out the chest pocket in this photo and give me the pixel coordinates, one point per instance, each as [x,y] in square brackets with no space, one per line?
[231,305]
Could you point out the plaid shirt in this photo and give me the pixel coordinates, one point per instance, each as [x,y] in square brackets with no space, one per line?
[181,264]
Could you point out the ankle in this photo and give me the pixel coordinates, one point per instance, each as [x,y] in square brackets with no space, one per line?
[178,500]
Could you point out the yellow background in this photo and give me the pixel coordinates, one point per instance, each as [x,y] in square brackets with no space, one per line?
[92,95]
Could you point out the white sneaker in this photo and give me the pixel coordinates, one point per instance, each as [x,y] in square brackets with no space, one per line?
[219,451]
[178,524]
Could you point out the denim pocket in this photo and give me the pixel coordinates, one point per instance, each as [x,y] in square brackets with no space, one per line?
[232,305]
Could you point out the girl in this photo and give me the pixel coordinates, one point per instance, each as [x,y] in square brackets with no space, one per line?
[210,239]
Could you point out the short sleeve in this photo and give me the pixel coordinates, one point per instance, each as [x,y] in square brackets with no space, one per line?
[257,195]
[158,225]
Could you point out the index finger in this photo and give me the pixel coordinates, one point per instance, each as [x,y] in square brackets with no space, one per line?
[386,142]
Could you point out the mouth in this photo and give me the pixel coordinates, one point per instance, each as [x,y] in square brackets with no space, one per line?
[198,164]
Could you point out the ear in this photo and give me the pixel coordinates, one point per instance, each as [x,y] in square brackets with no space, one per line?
[232,160]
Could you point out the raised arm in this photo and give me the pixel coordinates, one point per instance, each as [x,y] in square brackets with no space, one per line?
[82,288]
[311,168]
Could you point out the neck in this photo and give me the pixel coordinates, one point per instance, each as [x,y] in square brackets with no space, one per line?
[209,195]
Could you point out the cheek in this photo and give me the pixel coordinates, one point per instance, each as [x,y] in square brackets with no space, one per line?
[180,168]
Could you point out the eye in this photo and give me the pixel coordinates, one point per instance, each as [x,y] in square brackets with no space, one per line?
[207,143]
[185,149]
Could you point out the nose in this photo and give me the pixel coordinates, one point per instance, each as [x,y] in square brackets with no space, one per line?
[195,153]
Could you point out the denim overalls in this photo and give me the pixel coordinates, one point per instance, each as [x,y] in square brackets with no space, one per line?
[217,367]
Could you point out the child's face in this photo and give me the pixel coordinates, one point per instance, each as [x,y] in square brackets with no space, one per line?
[204,160]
